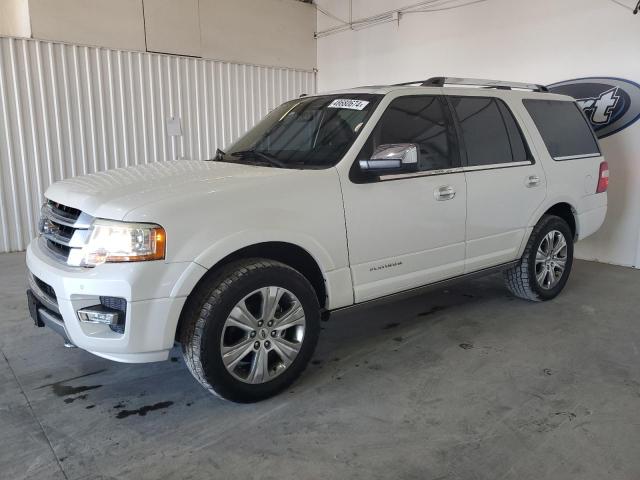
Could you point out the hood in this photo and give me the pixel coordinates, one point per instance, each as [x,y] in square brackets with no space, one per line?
[114,193]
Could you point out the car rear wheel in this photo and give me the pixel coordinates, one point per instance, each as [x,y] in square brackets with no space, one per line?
[250,331]
[546,263]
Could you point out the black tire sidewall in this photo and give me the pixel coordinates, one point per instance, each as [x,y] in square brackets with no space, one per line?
[215,373]
[551,223]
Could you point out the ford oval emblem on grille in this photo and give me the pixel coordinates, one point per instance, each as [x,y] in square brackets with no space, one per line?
[610,104]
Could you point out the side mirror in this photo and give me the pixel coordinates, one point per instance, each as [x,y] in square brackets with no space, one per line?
[392,158]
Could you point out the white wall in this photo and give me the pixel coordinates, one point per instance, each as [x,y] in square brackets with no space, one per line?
[112,23]
[259,32]
[173,27]
[14,18]
[544,41]
[68,110]
[263,32]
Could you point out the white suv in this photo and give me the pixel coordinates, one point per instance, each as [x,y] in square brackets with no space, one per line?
[332,201]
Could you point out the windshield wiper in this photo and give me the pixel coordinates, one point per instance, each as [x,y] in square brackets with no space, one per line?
[270,159]
[219,155]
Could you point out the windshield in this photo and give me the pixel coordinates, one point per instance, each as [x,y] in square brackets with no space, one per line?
[309,132]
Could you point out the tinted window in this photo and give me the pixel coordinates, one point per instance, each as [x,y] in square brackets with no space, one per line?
[420,119]
[309,132]
[491,134]
[563,127]
[519,150]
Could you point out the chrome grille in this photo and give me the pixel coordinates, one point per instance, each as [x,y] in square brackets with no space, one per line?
[62,211]
[64,231]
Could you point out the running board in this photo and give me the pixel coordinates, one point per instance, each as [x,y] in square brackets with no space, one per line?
[394,297]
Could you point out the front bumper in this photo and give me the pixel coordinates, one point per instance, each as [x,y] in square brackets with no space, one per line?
[155,293]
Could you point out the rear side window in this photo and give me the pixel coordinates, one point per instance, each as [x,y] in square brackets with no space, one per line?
[563,128]
[491,134]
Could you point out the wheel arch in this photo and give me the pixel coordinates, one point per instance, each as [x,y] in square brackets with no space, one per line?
[565,211]
[562,208]
[288,253]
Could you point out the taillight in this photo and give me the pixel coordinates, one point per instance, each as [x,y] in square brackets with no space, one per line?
[603,179]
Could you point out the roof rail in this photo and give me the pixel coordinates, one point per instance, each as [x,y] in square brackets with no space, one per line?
[418,82]
[477,82]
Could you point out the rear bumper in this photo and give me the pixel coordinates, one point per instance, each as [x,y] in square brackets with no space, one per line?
[152,312]
[590,220]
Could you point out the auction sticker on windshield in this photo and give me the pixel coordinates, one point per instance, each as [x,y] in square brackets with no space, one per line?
[349,103]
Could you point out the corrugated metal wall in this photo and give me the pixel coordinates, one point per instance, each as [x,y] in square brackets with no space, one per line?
[68,110]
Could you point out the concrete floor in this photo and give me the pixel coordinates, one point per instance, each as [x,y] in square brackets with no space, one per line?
[467,383]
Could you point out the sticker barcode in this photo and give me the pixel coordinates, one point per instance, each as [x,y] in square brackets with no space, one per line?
[348,103]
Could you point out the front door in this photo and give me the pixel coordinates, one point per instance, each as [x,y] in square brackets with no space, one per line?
[407,230]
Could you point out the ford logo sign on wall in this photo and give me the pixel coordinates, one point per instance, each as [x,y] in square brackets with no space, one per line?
[611,104]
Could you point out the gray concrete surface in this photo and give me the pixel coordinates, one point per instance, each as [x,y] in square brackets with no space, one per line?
[466,383]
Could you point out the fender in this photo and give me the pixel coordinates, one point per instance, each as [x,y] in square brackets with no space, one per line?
[540,211]
[228,245]
[547,204]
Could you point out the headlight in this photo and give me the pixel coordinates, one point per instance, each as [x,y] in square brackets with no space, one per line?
[111,241]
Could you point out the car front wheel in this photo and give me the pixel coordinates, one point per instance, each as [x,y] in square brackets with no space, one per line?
[250,331]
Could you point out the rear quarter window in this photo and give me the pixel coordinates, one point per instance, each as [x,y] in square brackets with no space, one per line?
[564,129]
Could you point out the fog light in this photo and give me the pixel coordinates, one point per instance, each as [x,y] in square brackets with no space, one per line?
[99,314]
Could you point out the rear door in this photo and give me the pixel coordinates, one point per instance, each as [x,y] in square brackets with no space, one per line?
[505,186]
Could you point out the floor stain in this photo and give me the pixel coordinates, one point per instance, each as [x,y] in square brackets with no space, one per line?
[73,399]
[466,346]
[61,390]
[119,405]
[389,326]
[142,411]
[398,339]
[569,415]
[66,390]
[547,371]
[72,378]
[432,310]
[89,407]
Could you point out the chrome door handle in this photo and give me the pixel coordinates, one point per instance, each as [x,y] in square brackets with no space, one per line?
[532,181]
[446,192]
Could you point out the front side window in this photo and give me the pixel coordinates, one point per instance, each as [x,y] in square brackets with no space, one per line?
[564,129]
[310,132]
[423,120]
[490,132]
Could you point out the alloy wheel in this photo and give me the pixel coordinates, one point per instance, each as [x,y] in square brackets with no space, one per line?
[551,259]
[262,335]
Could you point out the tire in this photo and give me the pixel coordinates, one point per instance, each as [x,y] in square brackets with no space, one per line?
[224,312]
[523,279]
